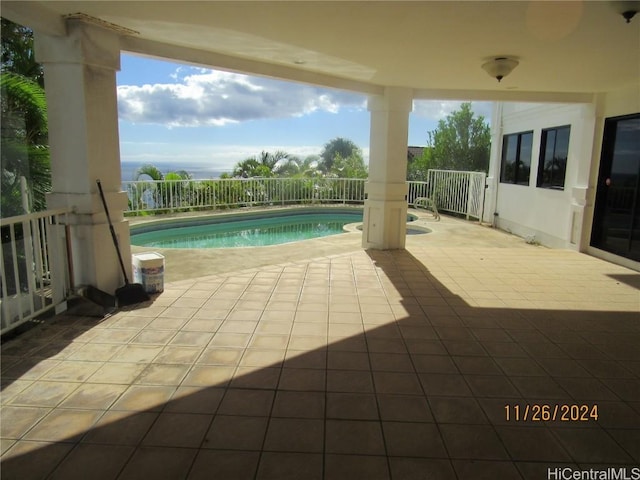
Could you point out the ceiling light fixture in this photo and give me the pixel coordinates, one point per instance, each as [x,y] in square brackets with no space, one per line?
[500,67]
[629,14]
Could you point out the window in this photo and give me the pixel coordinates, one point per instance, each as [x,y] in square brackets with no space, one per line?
[516,158]
[554,148]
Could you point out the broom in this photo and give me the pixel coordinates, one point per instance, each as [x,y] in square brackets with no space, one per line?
[129,293]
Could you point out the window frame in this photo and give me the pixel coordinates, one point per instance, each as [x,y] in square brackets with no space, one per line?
[516,180]
[542,160]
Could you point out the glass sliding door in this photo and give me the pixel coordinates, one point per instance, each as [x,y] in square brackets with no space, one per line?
[616,222]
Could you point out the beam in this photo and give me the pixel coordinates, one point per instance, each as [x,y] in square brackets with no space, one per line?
[216,60]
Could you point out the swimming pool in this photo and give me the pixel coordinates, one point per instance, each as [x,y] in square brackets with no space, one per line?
[246,230]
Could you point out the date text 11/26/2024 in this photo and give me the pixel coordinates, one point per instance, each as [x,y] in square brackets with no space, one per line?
[551,413]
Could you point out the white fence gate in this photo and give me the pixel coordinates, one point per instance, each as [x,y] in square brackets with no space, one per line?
[453,191]
[34,275]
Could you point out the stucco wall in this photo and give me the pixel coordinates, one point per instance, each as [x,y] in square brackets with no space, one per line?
[541,214]
[556,218]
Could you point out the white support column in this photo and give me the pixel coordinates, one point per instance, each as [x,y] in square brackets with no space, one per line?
[583,193]
[80,83]
[493,179]
[385,209]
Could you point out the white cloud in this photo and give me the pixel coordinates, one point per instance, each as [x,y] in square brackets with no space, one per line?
[202,97]
[439,109]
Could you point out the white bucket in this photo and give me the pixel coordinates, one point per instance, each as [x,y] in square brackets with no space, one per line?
[148,270]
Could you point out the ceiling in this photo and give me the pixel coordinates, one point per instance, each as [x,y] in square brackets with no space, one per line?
[566,50]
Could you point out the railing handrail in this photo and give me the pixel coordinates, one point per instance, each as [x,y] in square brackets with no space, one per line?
[34,277]
[455,171]
[32,216]
[454,191]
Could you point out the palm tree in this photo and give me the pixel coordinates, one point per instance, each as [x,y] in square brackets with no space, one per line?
[165,191]
[267,164]
[24,149]
[150,171]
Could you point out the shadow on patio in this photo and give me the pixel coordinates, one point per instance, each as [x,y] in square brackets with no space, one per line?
[362,365]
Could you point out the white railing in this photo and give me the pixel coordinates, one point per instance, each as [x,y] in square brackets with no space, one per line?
[177,195]
[452,191]
[34,276]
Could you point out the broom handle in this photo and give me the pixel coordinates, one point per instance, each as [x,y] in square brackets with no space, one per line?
[113,232]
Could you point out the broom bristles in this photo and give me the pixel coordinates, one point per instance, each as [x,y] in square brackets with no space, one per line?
[131,293]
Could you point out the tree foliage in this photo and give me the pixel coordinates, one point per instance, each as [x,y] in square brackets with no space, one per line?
[460,142]
[352,166]
[338,146]
[24,148]
[154,173]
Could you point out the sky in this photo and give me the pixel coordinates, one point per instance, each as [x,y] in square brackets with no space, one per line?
[173,113]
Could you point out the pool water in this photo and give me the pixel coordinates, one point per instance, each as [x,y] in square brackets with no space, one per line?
[247,233]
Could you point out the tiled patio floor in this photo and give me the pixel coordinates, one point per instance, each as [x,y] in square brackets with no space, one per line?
[362,365]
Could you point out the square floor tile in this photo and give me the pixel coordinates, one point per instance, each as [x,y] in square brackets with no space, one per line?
[93,461]
[586,389]
[236,433]
[16,421]
[208,376]
[64,425]
[44,394]
[532,444]
[491,386]
[463,410]
[178,430]
[303,359]
[290,466]
[434,364]
[350,467]
[473,442]
[413,440]
[256,377]
[97,396]
[338,360]
[195,400]
[179,355]
[404,408]
[159,463]
[352,406]
[117,373]
[477,365]
[163,374]
[144,398]
[486,470]
[246,402]
[629,439]
[403,468]
[349,381]
[262,358]
[391,362]
[540,387]
[295,435]
[302,379]
[397,383]
[354,437]
[291,404]
[444,384]
[120,428]
[19,462]
[223,464]
[590,445]
[71,371]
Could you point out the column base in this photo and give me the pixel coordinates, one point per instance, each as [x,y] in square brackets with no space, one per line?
[385,224]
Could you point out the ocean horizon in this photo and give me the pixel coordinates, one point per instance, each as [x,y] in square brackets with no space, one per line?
[198,171]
